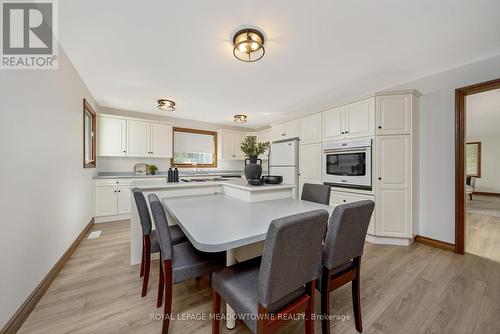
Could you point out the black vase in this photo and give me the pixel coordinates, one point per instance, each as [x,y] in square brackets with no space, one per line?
[253,167]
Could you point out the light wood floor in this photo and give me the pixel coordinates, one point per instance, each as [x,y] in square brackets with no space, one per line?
[482,231]
[416,289]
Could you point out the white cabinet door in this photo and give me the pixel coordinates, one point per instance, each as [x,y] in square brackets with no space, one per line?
[226,145]
[310,129]
[310,161]
[333,124]
[237,139]
[105,201]
[338,198]
[262,137]
[139,139]
[393,213]
[286,130]
[161,140]
[112,136]
[394,114]
[393,166]
[360,119]
[124,198]
[393,184]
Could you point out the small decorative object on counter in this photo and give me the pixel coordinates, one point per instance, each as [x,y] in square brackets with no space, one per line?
[252,150]
[141,169]
[153,169]
[170,177]
[176,175]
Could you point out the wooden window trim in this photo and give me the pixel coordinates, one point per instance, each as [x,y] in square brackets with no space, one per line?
[88,109]
[203,132]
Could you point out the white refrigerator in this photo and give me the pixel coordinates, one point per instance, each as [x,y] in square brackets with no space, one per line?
[284,161]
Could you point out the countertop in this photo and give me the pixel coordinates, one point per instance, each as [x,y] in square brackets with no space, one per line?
[204,217]
[235,183]
[162,174]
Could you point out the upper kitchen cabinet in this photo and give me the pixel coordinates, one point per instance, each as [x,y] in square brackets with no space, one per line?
[229,145]
[285,131]
[262,137]
[310,129]
[333,124]
[353,120]
[112,135]
[394,114]
[360,119]
[134,138]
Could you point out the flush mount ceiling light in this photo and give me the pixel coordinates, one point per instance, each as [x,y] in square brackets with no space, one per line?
[240,119]
[166,105]
[248,45]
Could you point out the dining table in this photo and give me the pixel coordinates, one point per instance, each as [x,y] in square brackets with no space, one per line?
[222,223]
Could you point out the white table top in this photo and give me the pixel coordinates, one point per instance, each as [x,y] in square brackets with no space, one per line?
[217,222]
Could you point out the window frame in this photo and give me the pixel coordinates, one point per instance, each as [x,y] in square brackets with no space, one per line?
[195,131]
[478,143]
[88,109]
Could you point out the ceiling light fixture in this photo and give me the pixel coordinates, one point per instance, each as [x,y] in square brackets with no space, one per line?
[248,45]
[166,105]
[240,119]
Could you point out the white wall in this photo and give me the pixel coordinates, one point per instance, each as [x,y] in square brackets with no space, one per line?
[45,193]
[437,144]
[120,164]
[490,163]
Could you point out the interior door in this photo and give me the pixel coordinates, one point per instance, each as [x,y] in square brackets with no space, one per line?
[112,136]
[139,139]
[161,140]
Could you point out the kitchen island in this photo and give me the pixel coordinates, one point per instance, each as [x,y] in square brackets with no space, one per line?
[236,189]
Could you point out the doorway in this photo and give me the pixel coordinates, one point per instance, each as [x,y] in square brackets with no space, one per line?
[463,186]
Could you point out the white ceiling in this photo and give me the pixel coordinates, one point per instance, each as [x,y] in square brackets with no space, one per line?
[130,53]
[483,114]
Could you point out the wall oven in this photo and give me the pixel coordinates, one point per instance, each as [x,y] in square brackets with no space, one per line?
[348,163]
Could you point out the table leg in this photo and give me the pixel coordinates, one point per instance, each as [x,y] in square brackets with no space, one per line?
[230,321]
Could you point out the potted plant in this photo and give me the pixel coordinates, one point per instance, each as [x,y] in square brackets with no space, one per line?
[152,169]
[252,149]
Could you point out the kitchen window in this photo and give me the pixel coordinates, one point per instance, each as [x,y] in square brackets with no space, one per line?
[194,148]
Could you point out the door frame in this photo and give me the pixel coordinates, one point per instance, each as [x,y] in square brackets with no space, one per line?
[460,140]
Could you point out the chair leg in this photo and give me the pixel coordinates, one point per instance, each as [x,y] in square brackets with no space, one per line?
[142,261]
[309,323]
[356,296]
[147,264]
[216,312]
[168,296]
[161,285]
[470,196]
[325,302]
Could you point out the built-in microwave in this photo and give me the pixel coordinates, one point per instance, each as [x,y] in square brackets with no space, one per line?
[348,163]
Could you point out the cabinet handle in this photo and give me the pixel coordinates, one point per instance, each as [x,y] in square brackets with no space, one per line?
[115,190]
[380,178]
[343,132]
[117,182]
[347,132]
[380,126]
[124,151]
[344,200]
[119,191]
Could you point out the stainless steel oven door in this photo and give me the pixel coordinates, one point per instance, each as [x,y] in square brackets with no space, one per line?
[348,167]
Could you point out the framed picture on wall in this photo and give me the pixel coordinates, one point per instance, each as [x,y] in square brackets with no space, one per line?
[473,159]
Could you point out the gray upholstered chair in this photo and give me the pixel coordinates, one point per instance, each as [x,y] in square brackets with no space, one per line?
[178,262]
[318,193]
[344,243]
[282,281]
[470,186]
[149,237]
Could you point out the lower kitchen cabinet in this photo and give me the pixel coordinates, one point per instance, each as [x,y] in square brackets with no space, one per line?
[340,197]
[106,202]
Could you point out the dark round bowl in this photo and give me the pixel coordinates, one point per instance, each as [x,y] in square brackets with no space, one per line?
[255,182]
[272,179]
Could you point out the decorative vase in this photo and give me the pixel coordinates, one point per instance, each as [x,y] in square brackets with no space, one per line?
[253,167]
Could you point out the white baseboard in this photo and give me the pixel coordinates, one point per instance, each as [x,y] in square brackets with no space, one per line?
[106,219]
[388,240]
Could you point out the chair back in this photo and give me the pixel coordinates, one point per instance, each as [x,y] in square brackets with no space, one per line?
[162,229]
[471,181]
[142,209]
[291,256]
[318,193]
[345,238]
